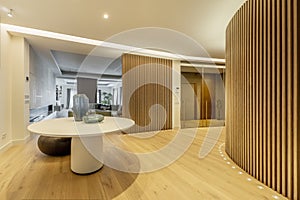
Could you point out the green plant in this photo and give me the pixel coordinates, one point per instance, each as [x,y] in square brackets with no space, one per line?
[107,97]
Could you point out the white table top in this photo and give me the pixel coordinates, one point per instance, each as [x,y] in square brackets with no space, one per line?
[67,127]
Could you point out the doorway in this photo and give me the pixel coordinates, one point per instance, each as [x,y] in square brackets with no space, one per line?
[202,97]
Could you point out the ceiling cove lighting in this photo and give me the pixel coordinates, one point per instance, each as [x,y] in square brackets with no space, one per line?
[10,13]
[203,65]
[71,38]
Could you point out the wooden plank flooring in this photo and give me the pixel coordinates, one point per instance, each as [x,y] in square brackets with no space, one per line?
[25,173]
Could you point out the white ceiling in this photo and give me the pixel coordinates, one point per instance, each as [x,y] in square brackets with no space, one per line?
[71,62]
[204,21]
[190,27]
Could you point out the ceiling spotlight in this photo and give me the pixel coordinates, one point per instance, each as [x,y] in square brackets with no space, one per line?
[105,16]
[10,13]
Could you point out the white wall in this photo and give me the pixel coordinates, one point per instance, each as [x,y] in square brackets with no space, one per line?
[176,97]
[42,82]
[117,98]
[105,89]
[64,94]
[14,115]
[19,63]
[5,89]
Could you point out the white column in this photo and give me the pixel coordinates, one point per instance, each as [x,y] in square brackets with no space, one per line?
[86,154]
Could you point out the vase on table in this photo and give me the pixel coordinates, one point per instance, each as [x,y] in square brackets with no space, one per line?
[80,106]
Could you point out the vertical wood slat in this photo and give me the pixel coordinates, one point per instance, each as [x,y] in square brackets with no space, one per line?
[296,138]
[253,125]
[279,94]
[273,92]
[284,94]
[257,88]
[289,100]
[260,86]
[251,86]
[244,88]
[155,74]
[246,80]
[268,92]
[262,93]
[240,100]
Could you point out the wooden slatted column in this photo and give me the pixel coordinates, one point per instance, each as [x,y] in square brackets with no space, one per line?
[147,82]
[262,84]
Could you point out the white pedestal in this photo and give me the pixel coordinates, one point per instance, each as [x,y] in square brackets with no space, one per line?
[83,160]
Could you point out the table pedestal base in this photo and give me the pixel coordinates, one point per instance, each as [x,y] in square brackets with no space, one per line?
[83,160]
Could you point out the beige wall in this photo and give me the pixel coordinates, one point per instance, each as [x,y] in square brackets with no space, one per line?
[5,89]
[14,115]
[19,64]
[176,87]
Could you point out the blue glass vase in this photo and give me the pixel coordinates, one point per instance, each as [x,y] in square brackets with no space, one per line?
[80,106]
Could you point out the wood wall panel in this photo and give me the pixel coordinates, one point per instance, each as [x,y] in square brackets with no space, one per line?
[262,93]
[147,81]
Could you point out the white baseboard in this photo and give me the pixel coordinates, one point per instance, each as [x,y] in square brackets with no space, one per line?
[6,146]
[21,141]
[15,142]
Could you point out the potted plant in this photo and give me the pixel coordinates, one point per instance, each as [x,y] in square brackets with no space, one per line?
[107,98]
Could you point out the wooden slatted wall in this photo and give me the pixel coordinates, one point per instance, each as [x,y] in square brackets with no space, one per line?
[262,92]
[147,81]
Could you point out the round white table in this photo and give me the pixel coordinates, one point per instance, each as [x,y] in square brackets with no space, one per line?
[86,143]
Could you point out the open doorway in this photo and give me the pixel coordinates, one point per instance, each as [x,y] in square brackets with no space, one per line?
[108,95]
[202,97]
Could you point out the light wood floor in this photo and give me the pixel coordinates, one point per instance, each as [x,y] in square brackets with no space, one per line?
[202,123]
[25,173]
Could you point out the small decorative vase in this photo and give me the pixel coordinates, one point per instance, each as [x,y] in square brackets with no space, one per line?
[80,106]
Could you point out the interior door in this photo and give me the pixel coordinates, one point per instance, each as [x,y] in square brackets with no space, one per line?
[187,101]
[208,97]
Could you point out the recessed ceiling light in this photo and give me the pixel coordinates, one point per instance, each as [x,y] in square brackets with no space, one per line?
[105,16]
[10,13]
